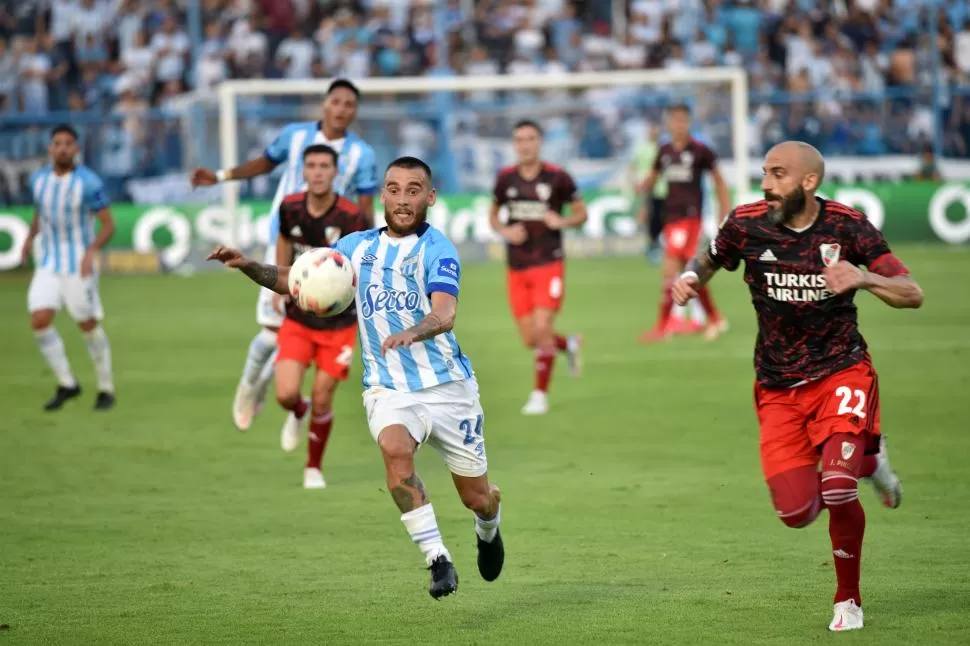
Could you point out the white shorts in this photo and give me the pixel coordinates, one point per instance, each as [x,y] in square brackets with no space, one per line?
[449,417]
[266,315]
[51,291]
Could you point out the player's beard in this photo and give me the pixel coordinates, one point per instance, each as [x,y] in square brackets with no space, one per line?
[405,221]
[789,206]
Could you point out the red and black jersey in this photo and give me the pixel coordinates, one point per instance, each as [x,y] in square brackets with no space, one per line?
[684,171]
[306,232]
[805,332]
[527,202]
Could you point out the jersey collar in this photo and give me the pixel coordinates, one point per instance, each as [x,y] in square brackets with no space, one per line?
[424,226]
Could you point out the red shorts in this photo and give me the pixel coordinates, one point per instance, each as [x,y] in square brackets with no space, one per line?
[540,287]
[795,422]
[681,238]
[332,350]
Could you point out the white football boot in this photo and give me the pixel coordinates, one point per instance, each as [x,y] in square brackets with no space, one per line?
[292,429]
[538,404]
[244,406]
[574,354]
[884,479]
[848,616]
[712,331]
[313,479]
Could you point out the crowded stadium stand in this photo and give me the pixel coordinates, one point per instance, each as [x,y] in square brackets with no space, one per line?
[852,77]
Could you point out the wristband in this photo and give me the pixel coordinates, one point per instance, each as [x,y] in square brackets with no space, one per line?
[690,274]
[223,175]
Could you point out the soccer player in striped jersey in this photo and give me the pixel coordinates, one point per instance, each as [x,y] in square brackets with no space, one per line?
[419,386]
[65,197]
[356,179]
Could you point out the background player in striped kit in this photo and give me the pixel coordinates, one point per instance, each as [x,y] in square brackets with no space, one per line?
[65,196]
[419,386]
[356,178]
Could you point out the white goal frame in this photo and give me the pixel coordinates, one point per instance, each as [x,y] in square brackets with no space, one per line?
[230,91]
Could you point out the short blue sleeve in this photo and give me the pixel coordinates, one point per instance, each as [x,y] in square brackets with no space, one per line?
[365,177]
[348,244]
[94,193]
[442,269]
[279,149]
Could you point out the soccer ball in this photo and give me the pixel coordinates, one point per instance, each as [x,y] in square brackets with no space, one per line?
[322,282]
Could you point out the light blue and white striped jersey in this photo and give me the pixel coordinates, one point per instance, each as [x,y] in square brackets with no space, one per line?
[66,205]
[395,280]
[356,165]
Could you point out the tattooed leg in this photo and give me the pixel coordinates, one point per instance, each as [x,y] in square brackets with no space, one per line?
[409,494]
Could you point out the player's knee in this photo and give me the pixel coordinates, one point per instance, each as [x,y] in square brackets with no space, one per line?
[476,499]
[288,398]
[41,320]
[88,325]
[321,400]
[397,447]
[801,516]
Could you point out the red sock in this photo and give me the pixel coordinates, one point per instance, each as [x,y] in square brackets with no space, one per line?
[299,409]
[666,307]
[847,526]
[847,519]
[320,426]
[868,467]
[707,303]
[544,363]
[562,343]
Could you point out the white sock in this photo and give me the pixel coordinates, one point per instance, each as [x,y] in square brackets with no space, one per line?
[423,528]
[100,351]
[52,348]
[262,380]
[260,350]
[486,529]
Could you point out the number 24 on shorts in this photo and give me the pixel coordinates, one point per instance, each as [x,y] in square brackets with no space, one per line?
[473,433]
[846,407]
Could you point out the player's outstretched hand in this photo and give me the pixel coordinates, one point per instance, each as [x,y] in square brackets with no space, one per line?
[228,256]
[399,340]
[684,288]
[515,234]
[203,177]
[843,277]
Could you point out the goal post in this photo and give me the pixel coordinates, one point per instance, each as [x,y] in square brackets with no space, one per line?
[680,83]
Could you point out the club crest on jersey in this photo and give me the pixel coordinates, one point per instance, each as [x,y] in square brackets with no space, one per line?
[511,192]
[687,158]
[409,266]
[848,448]
[543,191]
[331,234]
[830,253]
[296,231]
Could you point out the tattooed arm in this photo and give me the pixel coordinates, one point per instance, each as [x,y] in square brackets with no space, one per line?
[269,276]
[699,271]
[441,319]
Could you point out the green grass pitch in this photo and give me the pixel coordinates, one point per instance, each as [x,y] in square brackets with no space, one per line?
[634,512]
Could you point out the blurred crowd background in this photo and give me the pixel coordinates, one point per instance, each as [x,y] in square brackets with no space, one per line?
[853,77]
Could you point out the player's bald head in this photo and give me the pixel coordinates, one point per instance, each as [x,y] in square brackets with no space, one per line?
[798,158]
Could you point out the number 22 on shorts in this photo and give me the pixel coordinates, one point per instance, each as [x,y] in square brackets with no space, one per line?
[849,396]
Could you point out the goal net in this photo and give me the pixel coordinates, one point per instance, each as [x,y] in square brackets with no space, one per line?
[461,126]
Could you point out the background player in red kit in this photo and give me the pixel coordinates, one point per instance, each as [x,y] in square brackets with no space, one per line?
[535,193]
[316,218]
[816,392]
[683,162]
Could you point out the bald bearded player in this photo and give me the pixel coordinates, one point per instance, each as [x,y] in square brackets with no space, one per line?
[816,392]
